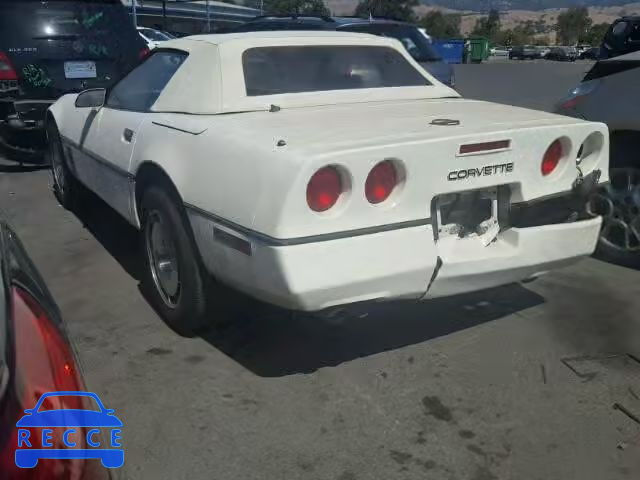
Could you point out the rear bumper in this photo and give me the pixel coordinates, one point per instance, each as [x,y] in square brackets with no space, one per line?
[517,254]
[22,125]
[404,263]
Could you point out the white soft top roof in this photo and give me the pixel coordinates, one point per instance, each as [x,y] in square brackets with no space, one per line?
[211,80]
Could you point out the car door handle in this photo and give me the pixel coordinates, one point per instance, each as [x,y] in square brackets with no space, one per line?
[127,135]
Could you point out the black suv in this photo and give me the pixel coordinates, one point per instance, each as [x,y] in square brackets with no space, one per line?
[562,54]
[623,36]
[49,48]
[416,42]
[524,52]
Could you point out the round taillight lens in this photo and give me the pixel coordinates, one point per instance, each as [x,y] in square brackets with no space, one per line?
[551,158]
[381,181]
[324,189]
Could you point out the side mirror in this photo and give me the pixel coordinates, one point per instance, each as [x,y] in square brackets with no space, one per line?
[92,98]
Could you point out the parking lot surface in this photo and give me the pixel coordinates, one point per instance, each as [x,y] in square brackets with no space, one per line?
[515,382]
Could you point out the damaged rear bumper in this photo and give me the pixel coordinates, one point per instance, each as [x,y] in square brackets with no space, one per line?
[516,254]
[411,262]
[561,208]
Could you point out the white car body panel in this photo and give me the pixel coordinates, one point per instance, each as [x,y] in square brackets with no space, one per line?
[242,170]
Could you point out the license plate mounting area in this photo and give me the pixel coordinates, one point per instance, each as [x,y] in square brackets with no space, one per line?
[473,213]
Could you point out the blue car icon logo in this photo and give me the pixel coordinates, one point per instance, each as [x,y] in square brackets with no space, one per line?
[74,427]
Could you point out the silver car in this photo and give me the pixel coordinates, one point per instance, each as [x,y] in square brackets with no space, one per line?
[609,94]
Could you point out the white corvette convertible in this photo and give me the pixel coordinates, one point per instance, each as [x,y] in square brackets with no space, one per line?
[312,170]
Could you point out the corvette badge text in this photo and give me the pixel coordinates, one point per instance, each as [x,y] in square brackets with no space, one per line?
[480,172]
[67,425]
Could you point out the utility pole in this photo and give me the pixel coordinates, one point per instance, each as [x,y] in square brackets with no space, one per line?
[261,7]
[164,14]
[135,12]
[208,19]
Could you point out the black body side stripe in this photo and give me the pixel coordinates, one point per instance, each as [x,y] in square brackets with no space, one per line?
[279,242]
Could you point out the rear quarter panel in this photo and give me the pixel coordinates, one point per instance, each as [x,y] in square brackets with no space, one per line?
[234,174]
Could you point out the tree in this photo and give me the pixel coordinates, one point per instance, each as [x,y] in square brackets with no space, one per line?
[489,26]
[573,24]
[542,41]
[295,7]
[595,34]
[399,9]
[521,34]
[441,25]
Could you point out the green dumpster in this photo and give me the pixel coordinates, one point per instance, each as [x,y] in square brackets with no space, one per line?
[479,49]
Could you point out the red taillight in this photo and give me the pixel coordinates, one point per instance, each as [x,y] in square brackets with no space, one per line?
[42,362]
[324,189]
[7,72]
[144,53]
[571,102]
[551,158]
[381,181]
[43,355]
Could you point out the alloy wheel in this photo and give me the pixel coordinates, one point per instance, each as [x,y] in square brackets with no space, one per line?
[619,205]
[162,258]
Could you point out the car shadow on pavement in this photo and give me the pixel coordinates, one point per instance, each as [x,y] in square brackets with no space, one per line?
[273,343]
[112,231]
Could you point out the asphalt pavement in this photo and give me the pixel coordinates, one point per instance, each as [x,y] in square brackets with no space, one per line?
[517,382]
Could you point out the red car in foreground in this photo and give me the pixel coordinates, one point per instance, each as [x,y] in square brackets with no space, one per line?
[36,356]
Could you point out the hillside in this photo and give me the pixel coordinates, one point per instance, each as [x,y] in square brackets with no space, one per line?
[509,18]
[536,5]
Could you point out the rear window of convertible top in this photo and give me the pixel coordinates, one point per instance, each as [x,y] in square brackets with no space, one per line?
[297,69]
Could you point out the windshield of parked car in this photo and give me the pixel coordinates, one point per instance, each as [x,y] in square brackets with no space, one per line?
[413,40]
[277,70]
[60,20]
[622,37]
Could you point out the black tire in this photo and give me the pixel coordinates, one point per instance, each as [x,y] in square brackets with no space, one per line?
[611,255]
[608,251]
[185,312]
[66,187]
[624,161]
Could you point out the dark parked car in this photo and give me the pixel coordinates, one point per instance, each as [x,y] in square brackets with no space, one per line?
[416,43]
[592,53]
[524,52]
[562,54]
[608,94]
[55,47]
[622,37]
[36,356]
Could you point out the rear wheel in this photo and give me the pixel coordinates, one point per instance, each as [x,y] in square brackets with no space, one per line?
[173,278]
[619,205]
[65,185]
